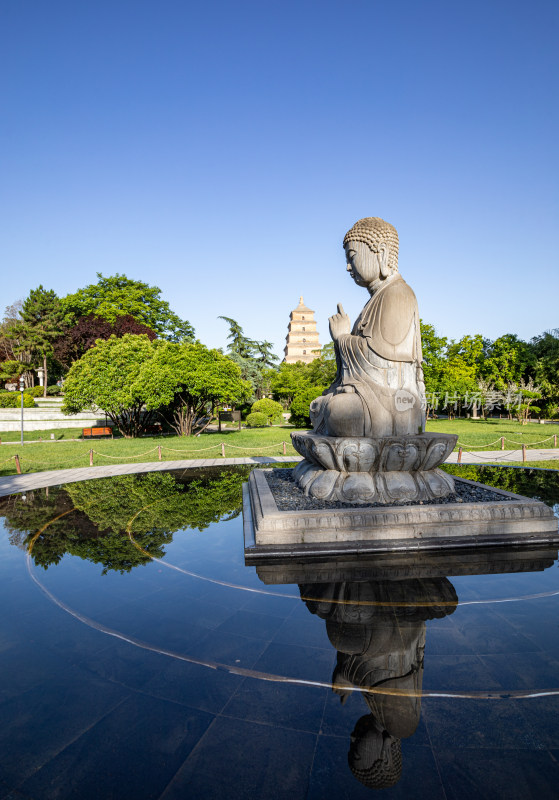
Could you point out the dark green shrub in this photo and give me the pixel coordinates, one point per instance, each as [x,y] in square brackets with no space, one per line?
[270,408]
[54,391]
[257,420]
[13,400]
[34,391]
[300,406]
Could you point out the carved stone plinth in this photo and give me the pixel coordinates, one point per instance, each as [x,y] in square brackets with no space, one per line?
[383,469]
[271,533]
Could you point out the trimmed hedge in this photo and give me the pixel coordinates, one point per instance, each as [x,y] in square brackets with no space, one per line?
[270,408]
[13,400]
[257,420]
[34,391]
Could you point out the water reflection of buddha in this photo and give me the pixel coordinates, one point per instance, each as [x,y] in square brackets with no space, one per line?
[378,629]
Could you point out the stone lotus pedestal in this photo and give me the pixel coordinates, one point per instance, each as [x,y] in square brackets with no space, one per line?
[365,470]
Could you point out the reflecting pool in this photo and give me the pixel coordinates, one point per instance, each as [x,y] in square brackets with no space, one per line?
[141,657]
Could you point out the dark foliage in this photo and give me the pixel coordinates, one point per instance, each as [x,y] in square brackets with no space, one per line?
[80,338]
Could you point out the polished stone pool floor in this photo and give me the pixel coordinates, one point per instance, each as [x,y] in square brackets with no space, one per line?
[141,658]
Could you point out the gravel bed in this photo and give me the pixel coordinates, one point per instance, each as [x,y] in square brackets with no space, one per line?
[289,497]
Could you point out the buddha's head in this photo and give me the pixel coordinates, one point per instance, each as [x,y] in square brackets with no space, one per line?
[375,757]
[371,248]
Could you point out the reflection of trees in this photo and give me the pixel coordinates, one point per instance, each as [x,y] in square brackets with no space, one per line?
[97,515]
[378,629]
[539,484]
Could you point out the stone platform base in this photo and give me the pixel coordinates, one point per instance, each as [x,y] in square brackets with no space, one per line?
[404,566]
[271,533]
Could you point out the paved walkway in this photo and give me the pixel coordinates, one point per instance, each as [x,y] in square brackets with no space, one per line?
[55,477]
[39,480]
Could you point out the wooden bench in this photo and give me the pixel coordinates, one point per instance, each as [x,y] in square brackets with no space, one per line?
[155,428]
[91,432]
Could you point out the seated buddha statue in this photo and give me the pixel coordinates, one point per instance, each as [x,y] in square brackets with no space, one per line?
[378,389]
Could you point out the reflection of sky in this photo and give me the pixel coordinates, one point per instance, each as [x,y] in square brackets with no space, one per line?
[84,707]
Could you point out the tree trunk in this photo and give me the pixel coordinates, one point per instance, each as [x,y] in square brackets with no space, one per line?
[45,376]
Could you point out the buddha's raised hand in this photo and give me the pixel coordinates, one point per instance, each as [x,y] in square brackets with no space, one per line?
[339,323]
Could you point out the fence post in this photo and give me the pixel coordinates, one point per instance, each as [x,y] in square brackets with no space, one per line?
[159,451]
[459,455]
[284,449]
[18,468]
[523,452]
[502,442]
[91,457]
[223,450]
[555,441]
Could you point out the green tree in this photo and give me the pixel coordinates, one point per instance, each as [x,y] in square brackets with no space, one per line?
[545,368]
[289,380]
[263,354]
[239,344]
[300,406]
[322,370]
[12,315]
[110,376]
[434,358]
[460,374]
[253,358]
[187,381]
[252,371]
[11,336]
[505,360]
[40,326]
[116,295]
[11,370]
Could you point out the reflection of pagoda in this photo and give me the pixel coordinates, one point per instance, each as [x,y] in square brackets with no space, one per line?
[302,337]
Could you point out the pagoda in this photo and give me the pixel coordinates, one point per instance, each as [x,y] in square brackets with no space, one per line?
[301,343]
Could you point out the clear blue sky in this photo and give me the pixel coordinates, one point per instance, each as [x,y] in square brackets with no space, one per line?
[221,150]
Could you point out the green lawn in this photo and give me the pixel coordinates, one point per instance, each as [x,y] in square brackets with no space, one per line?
[60,434]
[480,435]
[67,451]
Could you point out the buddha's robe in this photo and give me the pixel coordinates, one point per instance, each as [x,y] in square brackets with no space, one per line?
[379,634]
[379,363]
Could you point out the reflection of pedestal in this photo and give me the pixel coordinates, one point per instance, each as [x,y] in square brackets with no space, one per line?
[403,565]
[385,469]
[509,520]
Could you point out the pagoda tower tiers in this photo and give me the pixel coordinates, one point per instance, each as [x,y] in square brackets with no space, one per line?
[301,342]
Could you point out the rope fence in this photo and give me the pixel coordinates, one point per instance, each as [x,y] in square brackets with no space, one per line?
[470,446]
[160,449]
[494,458]
[138,455]
[503,439]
